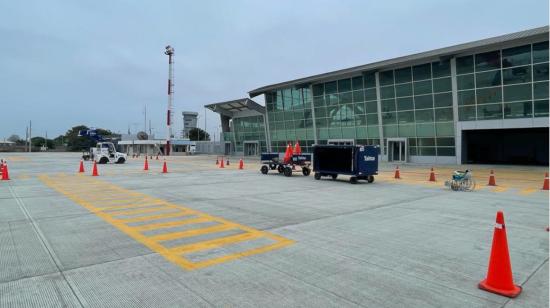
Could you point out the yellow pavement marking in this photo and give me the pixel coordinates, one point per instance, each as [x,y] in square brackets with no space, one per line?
[73,187]
[170,224]
[190,233]
[527,191]
[500,189]
[155,217]
[141,210]
[205,245]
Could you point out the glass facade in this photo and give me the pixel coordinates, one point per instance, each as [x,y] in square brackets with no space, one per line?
[504,84]
[347,109]
[290,118]
[417,104]
[413,102]
[247,129]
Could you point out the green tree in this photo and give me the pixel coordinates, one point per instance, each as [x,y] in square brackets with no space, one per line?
[39,142]
[76,143]
[196,134]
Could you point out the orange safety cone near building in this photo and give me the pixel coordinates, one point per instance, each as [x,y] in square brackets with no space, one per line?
[164,167]
[81,168]
[397,173]
[5,173]
[221,163]
[94,169]
[545,184]
[288,154]
[432,175]
[241,164]
[146,164]
[297,149]
[492,181]
[499,275]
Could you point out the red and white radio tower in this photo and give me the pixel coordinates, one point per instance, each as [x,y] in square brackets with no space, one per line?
[170,52]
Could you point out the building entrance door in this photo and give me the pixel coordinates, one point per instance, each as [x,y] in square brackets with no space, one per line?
[251,149]
[397,150]
[227,150]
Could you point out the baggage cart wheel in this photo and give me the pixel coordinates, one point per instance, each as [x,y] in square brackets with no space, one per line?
[353,180]
[288,171]
[264,169]
[370,179]
[306,171]
[334,176]
[281,169]
[317,176]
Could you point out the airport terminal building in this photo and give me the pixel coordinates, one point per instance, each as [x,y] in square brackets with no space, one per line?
[479,102]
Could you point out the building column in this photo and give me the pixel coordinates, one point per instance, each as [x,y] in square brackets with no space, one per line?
[458,132]
[266,129]
[313,115]
[379,113]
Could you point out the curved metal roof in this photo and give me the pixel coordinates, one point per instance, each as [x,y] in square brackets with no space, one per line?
[229,108]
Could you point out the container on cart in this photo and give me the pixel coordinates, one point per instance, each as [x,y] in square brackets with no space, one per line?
[358,161]
[273,161]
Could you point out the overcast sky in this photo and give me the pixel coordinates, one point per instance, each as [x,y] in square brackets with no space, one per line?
[98,63]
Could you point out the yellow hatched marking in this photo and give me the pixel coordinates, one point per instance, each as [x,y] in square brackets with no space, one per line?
[71,186]
[170,224]
[210,244]
[500,189]
[141,210]
[154,217]
[190,233]
[527,191]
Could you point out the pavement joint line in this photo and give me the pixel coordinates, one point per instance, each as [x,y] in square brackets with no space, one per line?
[65,184]
[46,246]
[527,279]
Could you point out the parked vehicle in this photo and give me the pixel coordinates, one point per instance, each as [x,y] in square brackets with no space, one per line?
[358,161]
[462,181]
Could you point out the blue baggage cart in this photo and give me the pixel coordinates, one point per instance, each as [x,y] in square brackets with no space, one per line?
[358,161]
[273,161]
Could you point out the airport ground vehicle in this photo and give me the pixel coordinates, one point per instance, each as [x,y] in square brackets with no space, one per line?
[358,161]
[272,161]
[462,181]
[104,152]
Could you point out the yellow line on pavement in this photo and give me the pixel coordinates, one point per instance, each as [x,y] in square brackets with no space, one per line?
[72,187]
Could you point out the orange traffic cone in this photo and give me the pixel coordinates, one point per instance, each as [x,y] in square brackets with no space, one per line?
[81,168]
[546,184]
[499,275]
[432,175]
[297,148]
[5,173]
[146,164]
[397,173]
[241,164]
[492,181]
[94,170]
[221,163]
[164,168]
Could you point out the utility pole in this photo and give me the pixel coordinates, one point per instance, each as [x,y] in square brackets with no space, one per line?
[204,124]
[145,120]
[170,53]
[30,136]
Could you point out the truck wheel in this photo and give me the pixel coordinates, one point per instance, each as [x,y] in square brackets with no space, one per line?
[306,171]
[120,160]
[334,176]
[317,176]
[353,180]
[103,160]
[281,169]
[288,171]
[264,169]
[370,179]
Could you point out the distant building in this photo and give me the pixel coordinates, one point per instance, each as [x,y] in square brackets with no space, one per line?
[189,122]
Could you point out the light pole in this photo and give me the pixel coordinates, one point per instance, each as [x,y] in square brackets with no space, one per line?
[170,53]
